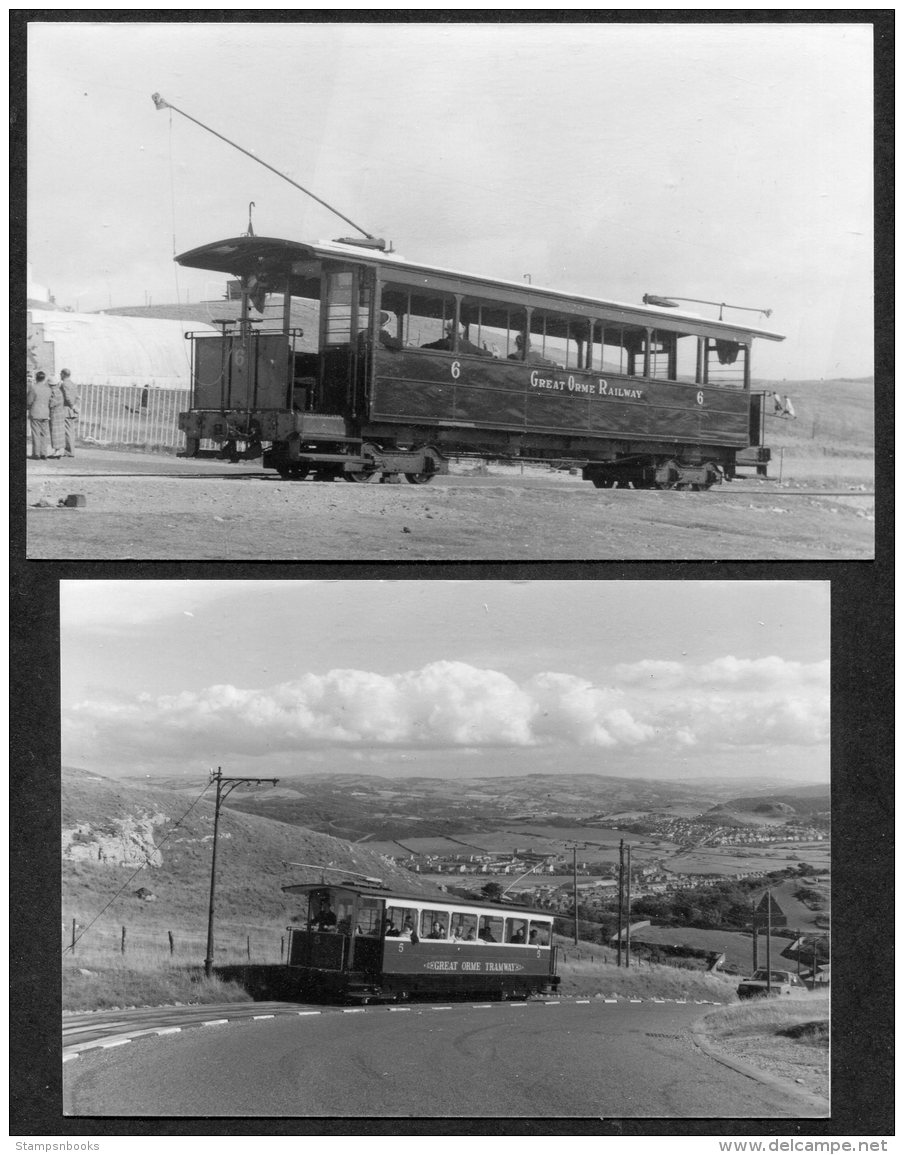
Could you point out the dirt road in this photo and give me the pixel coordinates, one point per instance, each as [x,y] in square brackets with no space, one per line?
[145,506]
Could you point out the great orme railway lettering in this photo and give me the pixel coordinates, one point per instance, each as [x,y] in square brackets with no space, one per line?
[571,384]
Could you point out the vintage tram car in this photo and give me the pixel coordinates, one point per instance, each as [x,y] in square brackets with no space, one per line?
[400,366]
[363,942]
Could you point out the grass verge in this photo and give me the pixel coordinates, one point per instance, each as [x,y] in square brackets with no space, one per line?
[115,984]
[787,1037]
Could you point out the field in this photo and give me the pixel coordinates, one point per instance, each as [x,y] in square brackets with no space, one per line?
[732,860]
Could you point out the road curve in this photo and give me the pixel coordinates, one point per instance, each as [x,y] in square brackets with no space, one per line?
[544,1059]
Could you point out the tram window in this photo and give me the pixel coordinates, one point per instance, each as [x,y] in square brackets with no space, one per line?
[367,921]
[516,930]
[401,922]
[615,355]
[434,924]
[464,927]
[322,911]
[538,935]
[338,308]
[686,358]
[662,352]
[490,928]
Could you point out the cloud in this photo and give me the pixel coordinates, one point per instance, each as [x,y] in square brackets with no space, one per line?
[660,706]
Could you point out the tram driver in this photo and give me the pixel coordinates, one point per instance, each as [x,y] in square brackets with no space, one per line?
[325,919]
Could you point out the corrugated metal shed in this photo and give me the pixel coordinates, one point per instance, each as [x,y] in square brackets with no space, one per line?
[105,350]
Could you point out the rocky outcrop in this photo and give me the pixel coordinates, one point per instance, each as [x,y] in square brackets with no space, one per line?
[126,841]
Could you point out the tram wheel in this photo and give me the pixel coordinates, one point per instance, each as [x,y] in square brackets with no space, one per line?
[418,478]
[363,475]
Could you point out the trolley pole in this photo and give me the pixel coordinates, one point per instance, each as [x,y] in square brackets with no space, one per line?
[225,787]
[621,885]
[574,866]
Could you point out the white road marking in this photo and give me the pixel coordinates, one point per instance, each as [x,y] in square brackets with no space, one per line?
[300,1013]
[263,1016]
[117,1043]
[481,1006]
[72,1055]
[351,1011]
[518,1004]
[168,1031]
[610,1000]
[399,1008]
[441,1008]
[635,1000]
[582,1000]
[214,1022]
[552,1004]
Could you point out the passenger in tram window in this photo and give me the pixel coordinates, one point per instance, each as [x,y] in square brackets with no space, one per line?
[531,358]
[388,340]
[408,931]
[464,345]
[436,931]
[390,929]
[533,938]
[471,936]
[325,919]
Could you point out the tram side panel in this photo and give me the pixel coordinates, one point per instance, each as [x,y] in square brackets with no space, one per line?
[456,393]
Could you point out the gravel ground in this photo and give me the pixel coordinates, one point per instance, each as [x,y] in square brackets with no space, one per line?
[145,506]
[805,1065]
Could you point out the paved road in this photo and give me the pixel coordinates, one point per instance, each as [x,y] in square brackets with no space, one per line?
[555,1059]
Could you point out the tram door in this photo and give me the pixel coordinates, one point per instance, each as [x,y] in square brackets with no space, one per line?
[346,301]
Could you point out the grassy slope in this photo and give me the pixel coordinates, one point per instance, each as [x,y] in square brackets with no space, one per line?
[834,418]
[755,1033]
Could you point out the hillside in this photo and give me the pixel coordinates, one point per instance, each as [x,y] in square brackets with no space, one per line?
[109,828]
[834,418]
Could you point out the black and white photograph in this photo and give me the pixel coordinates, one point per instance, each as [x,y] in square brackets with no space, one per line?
[537,784]
[541,290]
[417,848]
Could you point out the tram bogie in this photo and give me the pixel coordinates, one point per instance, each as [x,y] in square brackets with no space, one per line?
[412,365]
[363,944]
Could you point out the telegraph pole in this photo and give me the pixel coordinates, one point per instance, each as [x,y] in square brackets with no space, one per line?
[628,912]
[621,890]
[768,942]
[225,787]
[574,866]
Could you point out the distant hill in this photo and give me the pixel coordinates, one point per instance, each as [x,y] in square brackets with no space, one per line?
[109,828]
[805,802]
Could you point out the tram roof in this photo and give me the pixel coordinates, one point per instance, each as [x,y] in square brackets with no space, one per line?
[391,893]
[242,255]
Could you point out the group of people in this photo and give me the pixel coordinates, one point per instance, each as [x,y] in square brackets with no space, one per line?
[452,331]
[52,415]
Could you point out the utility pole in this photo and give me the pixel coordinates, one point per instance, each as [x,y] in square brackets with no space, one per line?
[621,885]
[768,942]
[628,912]
[574,866]
[225,787]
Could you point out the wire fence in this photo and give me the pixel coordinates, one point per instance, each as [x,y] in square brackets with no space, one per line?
[144,944]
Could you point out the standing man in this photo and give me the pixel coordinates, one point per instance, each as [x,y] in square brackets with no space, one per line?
[40,400]
[70,408]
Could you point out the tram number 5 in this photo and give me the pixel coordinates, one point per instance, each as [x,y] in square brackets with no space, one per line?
[700,397]
[456,369]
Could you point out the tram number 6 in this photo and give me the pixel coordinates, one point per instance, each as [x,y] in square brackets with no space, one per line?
[456,369]
[700,397]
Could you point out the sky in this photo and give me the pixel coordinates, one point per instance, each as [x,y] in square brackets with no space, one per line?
[653,679]
[727,162]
